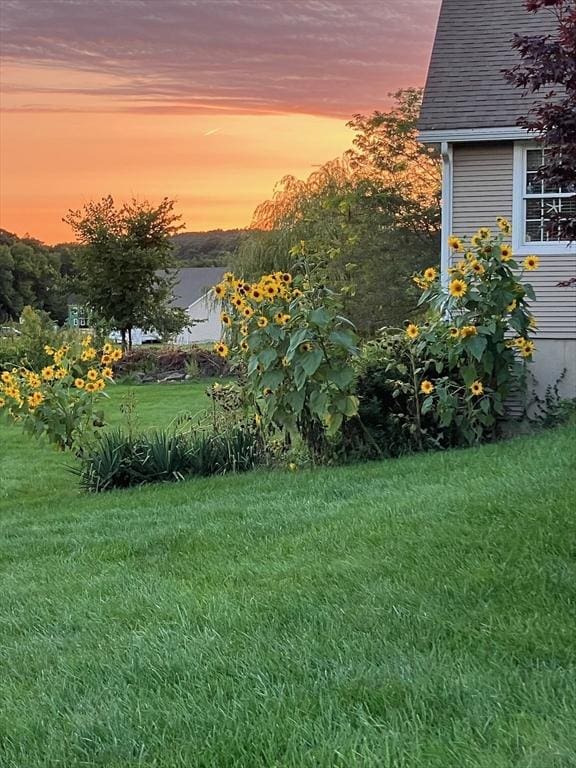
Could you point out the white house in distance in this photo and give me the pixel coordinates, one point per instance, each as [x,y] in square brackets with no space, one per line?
[471,112]
[192,292]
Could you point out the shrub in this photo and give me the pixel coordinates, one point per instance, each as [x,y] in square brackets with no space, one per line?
[120,459]
[445,381]
[35,332]
[170,359]
[296,350]
[59,399]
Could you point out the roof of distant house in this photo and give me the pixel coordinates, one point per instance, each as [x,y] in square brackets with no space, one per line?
[195,282]
[466,87]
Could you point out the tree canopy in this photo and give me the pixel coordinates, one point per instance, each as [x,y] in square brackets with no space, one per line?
[126,268]
[373,216]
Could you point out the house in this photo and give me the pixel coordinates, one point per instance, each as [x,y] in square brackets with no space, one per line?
[471,113]
[192,292]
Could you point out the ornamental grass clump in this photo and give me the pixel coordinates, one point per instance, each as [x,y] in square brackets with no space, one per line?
[59,399]
[475,342]
[296,349]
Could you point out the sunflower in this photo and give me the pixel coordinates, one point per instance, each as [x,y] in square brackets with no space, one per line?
[286,278]
[88,354]
[107,349]
[468,330]
[244,346]
[116,355]
[430,274]
[221,349]
[457,288]
[476,267]
[306,347]
[237,301]
[247,312]
[219,290]
[531,263]
[86,341]
[79,383]
[412,331]
[527,348]
[476,240]
[262,322]
[48,373]
[296,293]
[506,252]
[100,384]
[477,388]
[92,374]
[512,306]
[455,243]
[34,380]
[36,399]
[280,318]
[426,387]
[256,294]
[6,377]
[267,391]
[106,359]
[503,225]
[484,232]
[532,322]
[229,277]
[226,319]
[454,332]
[244,329]
[2,402]
[59,373]
[107,372]
[90,387]
[49,350]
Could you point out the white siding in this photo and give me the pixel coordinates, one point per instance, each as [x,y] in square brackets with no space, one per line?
[482,190]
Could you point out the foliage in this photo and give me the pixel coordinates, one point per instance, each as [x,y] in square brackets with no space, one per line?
[445,382]
[552,409]
[125,267]
[296,349]
[215,248]
[33,274]
[26,345]
[120,459]
[548,67]
[59,399]
[472,349]
[374,215]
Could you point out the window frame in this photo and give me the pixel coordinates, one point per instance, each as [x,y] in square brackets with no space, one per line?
[519,244]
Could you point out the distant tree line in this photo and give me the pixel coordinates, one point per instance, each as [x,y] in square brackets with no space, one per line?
[215,248]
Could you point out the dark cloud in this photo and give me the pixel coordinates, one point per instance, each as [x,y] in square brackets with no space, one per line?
[316,56]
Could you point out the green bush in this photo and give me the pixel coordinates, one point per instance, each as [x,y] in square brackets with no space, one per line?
[121,460]
[35,332]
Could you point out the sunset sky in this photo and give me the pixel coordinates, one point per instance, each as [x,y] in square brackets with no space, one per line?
[207,101]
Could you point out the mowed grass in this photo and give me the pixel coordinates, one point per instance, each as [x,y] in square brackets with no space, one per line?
[416,613]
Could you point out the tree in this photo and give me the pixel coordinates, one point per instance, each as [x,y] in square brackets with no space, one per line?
[548,67]
[30,275]
[126,268]
[373,217]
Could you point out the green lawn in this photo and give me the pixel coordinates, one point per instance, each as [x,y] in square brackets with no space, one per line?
[416,613]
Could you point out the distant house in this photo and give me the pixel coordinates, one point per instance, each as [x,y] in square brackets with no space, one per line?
[471,112]
[192,293]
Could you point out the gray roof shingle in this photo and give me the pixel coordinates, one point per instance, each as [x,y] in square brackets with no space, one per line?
[193,283]
[465,86]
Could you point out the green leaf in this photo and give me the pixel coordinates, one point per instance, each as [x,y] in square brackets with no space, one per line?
[267,357]
[319,403]
[343,338]
[341,377]
[319,317]
[300,377]
[296,400]
[272,379]
[427,405]
[476,345]
[469,374]
[311,361]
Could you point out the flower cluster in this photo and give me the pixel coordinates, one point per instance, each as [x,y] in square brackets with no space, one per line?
[288,335]
[245,301]
[60,394]
[479,330]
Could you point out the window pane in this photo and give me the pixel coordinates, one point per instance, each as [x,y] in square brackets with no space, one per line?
[539,215]
[534,159]
[533,186]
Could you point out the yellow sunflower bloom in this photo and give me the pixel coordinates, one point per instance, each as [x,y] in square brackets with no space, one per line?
[226,320]
[506,252]
[262,322]
[412,331]
[531,263]
[116,355]
[477,388]
[90,387]
[92,374]
[106,359]
[426,387]
[430,274]
[248,312]
[455,243]
[468,330]
[221,349]
[457,288]
[48,373]
[107,372]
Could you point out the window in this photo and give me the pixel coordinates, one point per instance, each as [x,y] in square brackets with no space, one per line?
[539,202]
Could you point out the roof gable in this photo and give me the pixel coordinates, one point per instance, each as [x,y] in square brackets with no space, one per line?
[465,88]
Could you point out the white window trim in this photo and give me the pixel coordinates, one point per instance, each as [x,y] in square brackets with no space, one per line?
[557,247]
